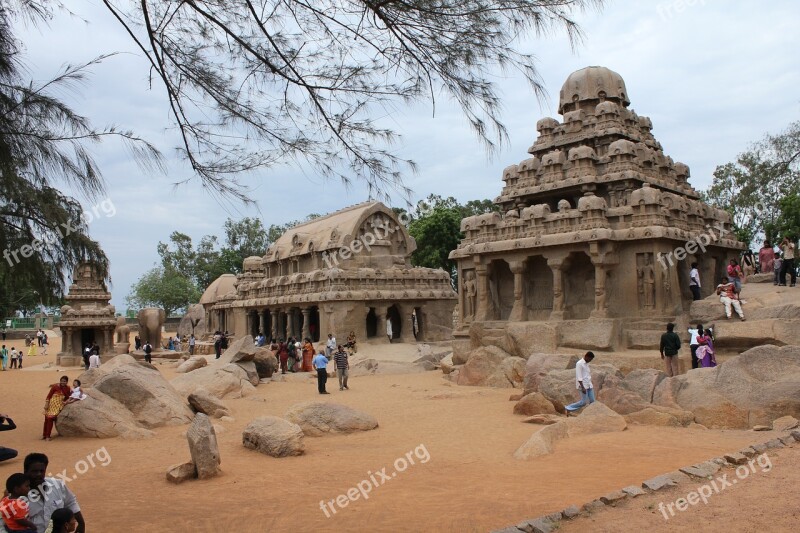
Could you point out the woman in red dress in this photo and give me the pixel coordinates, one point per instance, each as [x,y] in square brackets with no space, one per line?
[283,356]
[54,403]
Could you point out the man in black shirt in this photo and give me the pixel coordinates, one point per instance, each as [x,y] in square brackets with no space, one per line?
[670,344]
[6,424]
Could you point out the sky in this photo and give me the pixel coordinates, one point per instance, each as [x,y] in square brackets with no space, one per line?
[713,75]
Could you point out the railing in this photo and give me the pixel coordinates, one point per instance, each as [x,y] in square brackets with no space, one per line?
[19,323]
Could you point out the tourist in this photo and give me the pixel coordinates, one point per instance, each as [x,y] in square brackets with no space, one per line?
[217,344]
[13,506]
[32,349]
[62,521]
[283,355]
[705,352]
[735,275]
[330,345]
[351,342]
[148,350]
[44,343]
[48,494]
[87,352]
[583,382]
[192,343]
[170,344]
[748,264]
[321,365]
[777,267]
[4,357]
[670,345]
[298,355]
[54,403]
[308,355]
[693,343]
[694,282]
[77,394]
[27,340]
[14,358]
[19,358]
[95,349]
[766,258]
[726,292]
[94,361]
[342,367]
[39,337]
[177,345]
[291,349]
[6,424]
[389,328]
[137,343]
[223,342]
[788,262]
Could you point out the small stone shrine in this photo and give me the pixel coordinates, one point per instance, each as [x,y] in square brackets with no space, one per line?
[87,317]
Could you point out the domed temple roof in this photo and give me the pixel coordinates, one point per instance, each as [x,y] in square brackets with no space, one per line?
[588,83]
[218,288]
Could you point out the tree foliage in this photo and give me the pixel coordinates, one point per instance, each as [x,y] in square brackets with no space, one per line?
[760,185]
[165,288]
[44,147]
[259,82]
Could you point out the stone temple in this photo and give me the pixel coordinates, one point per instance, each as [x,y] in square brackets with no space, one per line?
[346,271]
[588,230]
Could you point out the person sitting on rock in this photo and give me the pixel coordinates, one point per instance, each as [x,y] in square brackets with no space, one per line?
[727,292]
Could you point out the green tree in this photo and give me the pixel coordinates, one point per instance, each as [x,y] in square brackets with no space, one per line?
[165,288]
[752,188]
[246,237]
[44,146]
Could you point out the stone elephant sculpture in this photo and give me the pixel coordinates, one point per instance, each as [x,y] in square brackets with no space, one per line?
[150,321]
[122,332]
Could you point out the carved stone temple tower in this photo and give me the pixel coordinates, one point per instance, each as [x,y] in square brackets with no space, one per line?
[593,226]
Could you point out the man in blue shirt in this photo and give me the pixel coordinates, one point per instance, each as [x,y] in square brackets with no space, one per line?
[320,363]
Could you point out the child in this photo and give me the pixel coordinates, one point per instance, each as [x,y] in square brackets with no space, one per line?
[62,521]
[14,507]
[777,266]
[77,394]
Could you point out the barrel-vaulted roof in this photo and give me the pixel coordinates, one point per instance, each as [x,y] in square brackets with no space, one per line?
[218,288]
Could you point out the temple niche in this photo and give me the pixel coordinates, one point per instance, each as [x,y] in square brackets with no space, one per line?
[87,317]
[589,225]
[346,271]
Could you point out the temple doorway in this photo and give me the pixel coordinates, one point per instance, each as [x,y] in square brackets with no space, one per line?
[372,323]
[417,320]
[393,317]
[313,323]
[538,286]
[578,286]
[87,337]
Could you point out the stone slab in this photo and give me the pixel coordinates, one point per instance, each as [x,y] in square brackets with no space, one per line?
[634,491]
[702,470]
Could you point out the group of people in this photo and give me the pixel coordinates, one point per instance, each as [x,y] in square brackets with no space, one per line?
[780,264]
[220,342]
[10,359]
[293,355]
[91,355]
[37,503]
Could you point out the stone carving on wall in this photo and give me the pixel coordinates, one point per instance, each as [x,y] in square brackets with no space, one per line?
[470,287]
[647,280]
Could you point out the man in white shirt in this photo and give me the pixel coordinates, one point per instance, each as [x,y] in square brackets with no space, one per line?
[330,345]
[694,282]
[583,382]
[94,361]
[48,494]
[693,344]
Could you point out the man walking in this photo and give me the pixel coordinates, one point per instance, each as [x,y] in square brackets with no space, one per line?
[726,291]
[148,349]
[321,365]
[342,367]
[192,342]
[670,344]
[583,382]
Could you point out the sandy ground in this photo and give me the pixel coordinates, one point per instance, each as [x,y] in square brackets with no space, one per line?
[468,481]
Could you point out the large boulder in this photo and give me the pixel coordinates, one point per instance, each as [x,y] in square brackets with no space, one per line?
[226,381]
[595,418]
[193,363]
[539,364]
[489,366]
[621,400]
[99,416]
[203,402]
[203,446]
[752,389]
[319,418]
[266,362]
[274,436]
[534,404]
[559,385]
[657,415]
[525,338]
[146,394]
[643,381]
[250,369]
[240,350]
[591,334]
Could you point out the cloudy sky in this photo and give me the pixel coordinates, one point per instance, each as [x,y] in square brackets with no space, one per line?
[713,75]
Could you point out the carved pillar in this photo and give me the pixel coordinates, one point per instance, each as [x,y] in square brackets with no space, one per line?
[518,312]
[380,312]
[274,316]
[66,343]
[306,322]
[107,334]
[556,265]
[406,331]
[262,322]
[484,296]
[600,304]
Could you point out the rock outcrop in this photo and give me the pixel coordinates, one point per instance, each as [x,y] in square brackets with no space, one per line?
[490,366]
[534,403]
[318,418]
[99,416]
[203,402]
[193,363]
[203,447]
[266,363]
[274,436]
[229,380]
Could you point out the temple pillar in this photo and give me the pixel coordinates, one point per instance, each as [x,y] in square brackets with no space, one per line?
[262,322]
[66,341]
[306,322]
[380,312]
[274,315]
[406,332]
[484,296]
[557,265]
[107,338]
[600,304]
[519,311]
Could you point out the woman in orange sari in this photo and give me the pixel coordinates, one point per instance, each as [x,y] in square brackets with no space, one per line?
[56,399]
[308,355]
